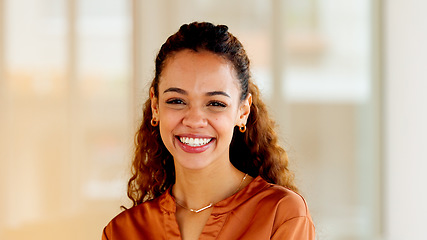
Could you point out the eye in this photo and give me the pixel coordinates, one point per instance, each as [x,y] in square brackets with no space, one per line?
[175,101]
[217,104]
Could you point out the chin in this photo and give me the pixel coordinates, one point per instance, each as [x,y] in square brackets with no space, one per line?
[193,164]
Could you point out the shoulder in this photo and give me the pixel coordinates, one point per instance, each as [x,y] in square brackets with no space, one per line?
[136,214]
[287,203]
[140,220]
[292,218]
[288,197]
[277,207]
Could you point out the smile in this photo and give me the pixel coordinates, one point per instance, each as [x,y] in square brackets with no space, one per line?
[195,142]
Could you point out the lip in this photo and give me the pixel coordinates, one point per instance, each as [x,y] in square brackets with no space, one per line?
[195,149]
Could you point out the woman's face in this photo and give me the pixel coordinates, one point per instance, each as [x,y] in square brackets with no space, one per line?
[198,107]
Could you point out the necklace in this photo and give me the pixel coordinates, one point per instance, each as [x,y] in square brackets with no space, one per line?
[210,204]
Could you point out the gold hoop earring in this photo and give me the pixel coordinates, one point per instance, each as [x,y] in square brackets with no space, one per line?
[242,129]
[154,123]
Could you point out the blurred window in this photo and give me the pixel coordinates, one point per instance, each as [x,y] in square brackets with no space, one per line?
[74,76]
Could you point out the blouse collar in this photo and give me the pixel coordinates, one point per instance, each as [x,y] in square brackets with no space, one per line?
[167,201]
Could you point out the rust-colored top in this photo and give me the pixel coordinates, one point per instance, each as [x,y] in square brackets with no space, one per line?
[259,211]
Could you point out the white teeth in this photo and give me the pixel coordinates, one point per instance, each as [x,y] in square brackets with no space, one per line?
[195,142]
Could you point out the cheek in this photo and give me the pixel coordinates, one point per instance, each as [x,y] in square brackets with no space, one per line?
[169,120]
[224,124]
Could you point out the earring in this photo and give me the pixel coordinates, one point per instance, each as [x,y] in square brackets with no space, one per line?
[242,128]
[154,123]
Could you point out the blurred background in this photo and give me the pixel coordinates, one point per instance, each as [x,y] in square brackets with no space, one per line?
[345,81]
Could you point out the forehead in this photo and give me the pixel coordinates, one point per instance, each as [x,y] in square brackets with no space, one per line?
[199,71]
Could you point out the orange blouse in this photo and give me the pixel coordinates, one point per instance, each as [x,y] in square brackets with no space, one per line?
[259,211]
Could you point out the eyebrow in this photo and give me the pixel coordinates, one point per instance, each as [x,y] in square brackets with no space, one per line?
[182,91]
[177,90]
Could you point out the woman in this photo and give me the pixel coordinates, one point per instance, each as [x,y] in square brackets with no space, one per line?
[207,163]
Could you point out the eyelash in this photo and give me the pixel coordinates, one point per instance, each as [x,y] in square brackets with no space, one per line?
[217,104]
[175,101]
[212,103]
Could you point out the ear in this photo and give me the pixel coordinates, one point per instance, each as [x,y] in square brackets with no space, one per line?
[154,105]
[244,111]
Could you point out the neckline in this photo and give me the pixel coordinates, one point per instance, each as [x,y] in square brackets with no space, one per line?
[168,204]
[211,204]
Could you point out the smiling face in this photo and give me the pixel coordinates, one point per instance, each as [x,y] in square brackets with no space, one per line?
[198,106]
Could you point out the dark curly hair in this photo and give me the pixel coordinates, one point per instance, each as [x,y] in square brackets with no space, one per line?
[255,152]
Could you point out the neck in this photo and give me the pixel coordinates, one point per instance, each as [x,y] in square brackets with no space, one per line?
[199,188]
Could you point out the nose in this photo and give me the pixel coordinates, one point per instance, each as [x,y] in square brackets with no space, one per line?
[195,118]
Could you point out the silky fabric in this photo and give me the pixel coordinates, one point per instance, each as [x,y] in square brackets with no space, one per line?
[259,211]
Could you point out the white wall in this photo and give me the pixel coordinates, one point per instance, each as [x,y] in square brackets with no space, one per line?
[405,119]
